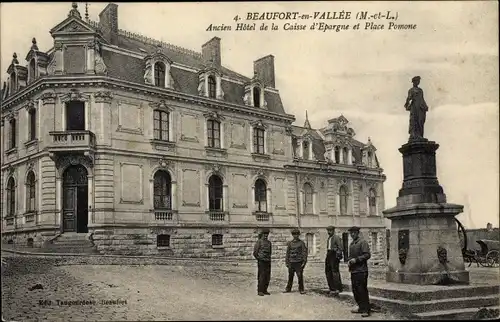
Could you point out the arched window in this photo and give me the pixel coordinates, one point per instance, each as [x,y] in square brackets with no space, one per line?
[256,96]
[160,74]
[261,195]
[310,243]
[213,128]
[212,87]
[343,200]
[32,124]
[308,199]
[11,197]
[337,154]
[344,155]
[372,202]
[161,125]
[13,132]
[305,151]
[215,193]
[30,192]
[162,190]
[32,70]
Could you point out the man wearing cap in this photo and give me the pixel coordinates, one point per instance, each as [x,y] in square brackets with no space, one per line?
[332,261]
[262,253]
[296,260]
[359,254]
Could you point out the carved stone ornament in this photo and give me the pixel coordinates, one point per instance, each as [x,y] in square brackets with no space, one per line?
[260,173]
[289,130]
[215,167]
[99,66]
[148,74]
[442,255]
[75,95]
[403,245]
[246,99]
[163,163]
[160,105]
[103,97]
[51,67]
[213,115]
[65,161]
[259,124]
[30,105]
[58,46]
[30,166]
[343,181]
[48,98]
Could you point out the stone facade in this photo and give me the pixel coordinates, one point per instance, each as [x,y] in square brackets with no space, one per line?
[118,109]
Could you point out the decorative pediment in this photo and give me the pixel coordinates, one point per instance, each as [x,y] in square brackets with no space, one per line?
[160,105]
[42,59]
[74,95]
[258,124]
[214,115]
[308,137]
[103,97]
[158,55]
[72,24]
[369,146]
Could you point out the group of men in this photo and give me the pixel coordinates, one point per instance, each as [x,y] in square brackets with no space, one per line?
[296,260]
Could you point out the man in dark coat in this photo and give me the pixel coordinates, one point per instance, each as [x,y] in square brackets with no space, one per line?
[332,261]
[262,252]
[296,260]
[359,254]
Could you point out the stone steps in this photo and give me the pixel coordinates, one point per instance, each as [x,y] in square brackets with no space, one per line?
[72,243]
[456,314]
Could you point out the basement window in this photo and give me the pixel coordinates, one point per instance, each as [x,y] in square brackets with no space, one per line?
[163,241]
[217,240]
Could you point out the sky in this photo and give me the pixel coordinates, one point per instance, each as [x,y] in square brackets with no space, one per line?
[363,75]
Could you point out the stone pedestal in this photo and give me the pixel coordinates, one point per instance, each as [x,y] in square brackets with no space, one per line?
[425,246]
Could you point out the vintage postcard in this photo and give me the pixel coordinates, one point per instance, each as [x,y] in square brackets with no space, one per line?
[320,160]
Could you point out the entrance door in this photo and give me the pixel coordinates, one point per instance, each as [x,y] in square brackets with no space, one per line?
[75,199]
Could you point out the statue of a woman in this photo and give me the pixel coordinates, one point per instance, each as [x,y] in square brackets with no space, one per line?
[415,103]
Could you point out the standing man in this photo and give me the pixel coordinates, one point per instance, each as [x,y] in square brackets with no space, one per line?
[359,254]
[262,253]
[296,260]
[332,261]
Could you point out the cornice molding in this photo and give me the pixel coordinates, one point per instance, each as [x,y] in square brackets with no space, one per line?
[50,82]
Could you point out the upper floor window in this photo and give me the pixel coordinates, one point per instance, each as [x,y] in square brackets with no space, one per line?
[308,199]
[12,134]
[32,124]
[11,197]
[30,192]
[256,96]
[162,190]
[161,125]
[261,195]
[305,148]
[258,140]
[75,116]
[372,202]
[337,154]
[343,200]
[215,193]
[159,74]
[213,128]
[212,87]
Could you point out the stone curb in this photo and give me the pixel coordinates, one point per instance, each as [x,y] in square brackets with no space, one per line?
[127,256]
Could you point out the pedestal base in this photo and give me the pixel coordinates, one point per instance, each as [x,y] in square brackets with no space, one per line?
[425,246]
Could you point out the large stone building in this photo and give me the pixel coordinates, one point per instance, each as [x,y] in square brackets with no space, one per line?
[150,148]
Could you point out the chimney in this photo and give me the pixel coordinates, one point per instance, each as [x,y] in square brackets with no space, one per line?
[108,23]
[264,69]
[210,51]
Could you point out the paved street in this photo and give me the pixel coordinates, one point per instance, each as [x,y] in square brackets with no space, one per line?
[152,292]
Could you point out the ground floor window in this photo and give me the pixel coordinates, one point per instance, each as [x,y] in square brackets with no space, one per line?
[217,240]
[163,241]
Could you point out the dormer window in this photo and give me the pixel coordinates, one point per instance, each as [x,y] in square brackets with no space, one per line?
[337,154]
[369,158]
[13,83]
[305,148]
[159,69]
[256,97]
[212,87]
[32,70]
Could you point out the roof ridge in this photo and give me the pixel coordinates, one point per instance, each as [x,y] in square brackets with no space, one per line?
[151,41]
